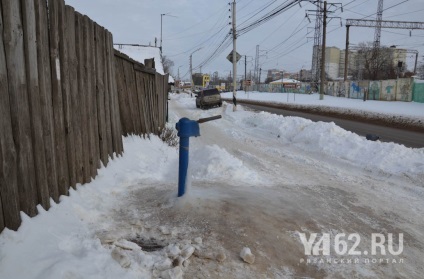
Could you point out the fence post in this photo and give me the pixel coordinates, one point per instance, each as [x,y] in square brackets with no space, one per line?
[19,107]
[58,114]
[9,197]
[45,91]
[34,98]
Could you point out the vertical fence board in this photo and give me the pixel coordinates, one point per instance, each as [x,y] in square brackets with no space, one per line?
[122,96]
[107,92]
[43,59]
[83,122]
[151,103]
[131,88]
[147,104]
[58,113]
[64,40]
[9,192]
[114,105]
[34,97]
[93,93]
[19,107]
[140,97]
[100,94]
[159,94]
[88,81]
[74,105]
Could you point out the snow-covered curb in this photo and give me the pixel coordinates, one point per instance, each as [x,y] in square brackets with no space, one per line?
[392,120]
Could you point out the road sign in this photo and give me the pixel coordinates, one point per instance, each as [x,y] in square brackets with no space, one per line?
[230,57]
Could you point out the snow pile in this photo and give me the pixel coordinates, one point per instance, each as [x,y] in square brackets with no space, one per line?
[330,140]
[216,164]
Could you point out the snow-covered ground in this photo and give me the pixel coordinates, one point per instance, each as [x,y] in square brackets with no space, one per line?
[257,180]
[410,109]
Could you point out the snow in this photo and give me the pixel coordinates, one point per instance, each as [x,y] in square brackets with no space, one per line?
[139,53]
[256,178]
[410,109]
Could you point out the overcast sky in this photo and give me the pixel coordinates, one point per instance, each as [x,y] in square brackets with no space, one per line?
[285,41]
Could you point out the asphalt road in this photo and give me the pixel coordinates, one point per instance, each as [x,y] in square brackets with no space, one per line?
[387,134]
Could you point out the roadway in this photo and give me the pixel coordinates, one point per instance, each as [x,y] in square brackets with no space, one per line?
[387,134]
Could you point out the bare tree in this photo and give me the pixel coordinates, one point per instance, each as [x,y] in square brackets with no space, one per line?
[167,64]
[372,65]
[420,71]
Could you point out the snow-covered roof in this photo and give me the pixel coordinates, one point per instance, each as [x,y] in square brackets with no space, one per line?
[171,79]
[139,53]
[284,80]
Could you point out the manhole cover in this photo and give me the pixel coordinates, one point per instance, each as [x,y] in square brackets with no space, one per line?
[149,244]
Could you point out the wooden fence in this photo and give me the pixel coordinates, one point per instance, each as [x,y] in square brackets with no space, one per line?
[59,107]
[142,96]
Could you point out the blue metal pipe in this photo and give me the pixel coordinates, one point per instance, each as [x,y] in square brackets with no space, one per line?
[187,128]
[183,165]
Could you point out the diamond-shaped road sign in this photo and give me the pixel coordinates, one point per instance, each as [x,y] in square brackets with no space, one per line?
[230,57]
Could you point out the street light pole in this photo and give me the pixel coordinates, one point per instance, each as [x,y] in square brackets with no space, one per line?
[161,15]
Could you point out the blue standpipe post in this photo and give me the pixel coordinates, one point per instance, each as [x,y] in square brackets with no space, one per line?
[186,128]
[183,163]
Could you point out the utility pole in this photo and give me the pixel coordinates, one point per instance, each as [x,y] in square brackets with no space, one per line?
[234,57]
[316,56]
[324,29]
[191,68]
[346,62]
[260,71]
[245,73]
[191,72]
[256,70]
[377,36]
[161,15]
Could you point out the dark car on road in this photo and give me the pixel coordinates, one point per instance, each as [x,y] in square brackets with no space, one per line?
[207,98]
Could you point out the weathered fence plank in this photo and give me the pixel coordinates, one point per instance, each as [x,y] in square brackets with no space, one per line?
[9,192]
[82,122]
[45,91]
[66,92]
[100,94]
[151,103]
[140,94]
[93,99]
[107,95]
[131,89]
[21,123]
[34,97]
[75,107]
[122,98]
[58,113]
[114,104]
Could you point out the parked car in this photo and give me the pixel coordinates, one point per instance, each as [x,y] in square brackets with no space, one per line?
[208,98]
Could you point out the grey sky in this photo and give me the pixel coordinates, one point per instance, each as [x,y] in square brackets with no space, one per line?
[204,23]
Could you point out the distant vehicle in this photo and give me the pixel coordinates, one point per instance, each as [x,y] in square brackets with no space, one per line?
[208,98]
